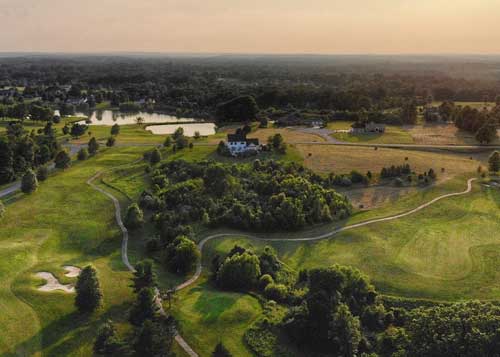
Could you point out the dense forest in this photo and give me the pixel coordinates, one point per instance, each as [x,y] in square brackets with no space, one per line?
[197,85]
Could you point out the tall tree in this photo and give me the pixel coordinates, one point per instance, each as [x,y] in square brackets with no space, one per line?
[93,146]
[6,162]
[29,182]
[62,160]
[221,351]
[88,290]
[494,162]
[144,308]
[115,129]
[144,275]
[107,341]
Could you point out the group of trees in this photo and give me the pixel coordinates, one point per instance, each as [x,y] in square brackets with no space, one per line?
[21,151]
[34,111]
[154,331]
[260,196]
[482,123]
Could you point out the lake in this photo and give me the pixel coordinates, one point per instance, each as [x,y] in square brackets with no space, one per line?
[204,129]
[110,117]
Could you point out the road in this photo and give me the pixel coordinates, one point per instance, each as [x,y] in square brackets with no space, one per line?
[73,149]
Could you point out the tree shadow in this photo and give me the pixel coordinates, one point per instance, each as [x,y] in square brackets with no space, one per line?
[64,336]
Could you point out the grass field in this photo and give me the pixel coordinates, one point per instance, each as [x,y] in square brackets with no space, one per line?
[208,316]
[343,159]
[65,222]
[449,251]
[393,134]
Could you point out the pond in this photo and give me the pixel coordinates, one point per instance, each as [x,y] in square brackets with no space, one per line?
[204,129]
[111,117]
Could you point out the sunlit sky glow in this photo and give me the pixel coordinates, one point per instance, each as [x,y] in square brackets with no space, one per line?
[251,26]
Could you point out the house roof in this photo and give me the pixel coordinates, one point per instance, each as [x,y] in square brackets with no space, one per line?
[236,137]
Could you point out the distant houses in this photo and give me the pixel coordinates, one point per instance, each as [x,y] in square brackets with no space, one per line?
[239,144]
[367,127]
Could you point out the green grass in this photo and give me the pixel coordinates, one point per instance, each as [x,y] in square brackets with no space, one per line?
[65,222]
[449,251]
[393,135]
[208,316]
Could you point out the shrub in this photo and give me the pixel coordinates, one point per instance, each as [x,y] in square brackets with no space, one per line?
[265,280]
[29,182]
[93,146]
[134,218]
[42,173]
[111,141]
[155,156]
[276,292]
[62,160]
[239,271]
[83,154]
[115,129]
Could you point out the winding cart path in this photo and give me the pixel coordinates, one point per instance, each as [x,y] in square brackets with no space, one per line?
[207,239]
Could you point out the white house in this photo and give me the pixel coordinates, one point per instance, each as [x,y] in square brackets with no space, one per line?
[238,143]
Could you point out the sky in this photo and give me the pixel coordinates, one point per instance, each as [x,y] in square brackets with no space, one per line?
[252,26]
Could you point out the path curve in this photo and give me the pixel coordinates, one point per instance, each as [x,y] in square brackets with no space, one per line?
[182,343]
[330,234]
[124,250]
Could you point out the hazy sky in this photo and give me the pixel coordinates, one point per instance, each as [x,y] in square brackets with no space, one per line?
[248,26]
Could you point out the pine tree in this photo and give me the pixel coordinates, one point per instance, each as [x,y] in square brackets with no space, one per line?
[83,154]
[6,163]
[494,162]
[221,351]
[107,341]
[144,275]
[155,156]
[144,308]
[29,182]
[88,290]
[115,129]
[93,146]
[62,160]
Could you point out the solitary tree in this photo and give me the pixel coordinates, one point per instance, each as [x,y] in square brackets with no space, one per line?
[88,290]
[29,183]
[115,129]
[221,351]
[144,275]
[197,135]
[155,156]
[93,146]
[62,160]
[83,154]
[494,162]
[111,141]
[135,217]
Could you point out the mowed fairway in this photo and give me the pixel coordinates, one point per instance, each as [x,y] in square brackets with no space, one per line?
[208,316]
[65,222]
[449,251]
[343,159]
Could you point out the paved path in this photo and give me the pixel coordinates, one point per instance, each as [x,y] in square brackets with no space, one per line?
[207,239]
[327,235]
[126,262]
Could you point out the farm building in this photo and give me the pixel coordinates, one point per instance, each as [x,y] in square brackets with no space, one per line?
[370,127]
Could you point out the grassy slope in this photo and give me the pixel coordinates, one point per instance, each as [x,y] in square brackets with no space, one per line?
[446,252]
[64,222]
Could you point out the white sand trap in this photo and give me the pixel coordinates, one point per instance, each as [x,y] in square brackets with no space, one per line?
[52,283]
[72,272]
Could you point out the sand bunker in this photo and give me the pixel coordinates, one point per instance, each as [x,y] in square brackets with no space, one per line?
[52,283]
[72,272]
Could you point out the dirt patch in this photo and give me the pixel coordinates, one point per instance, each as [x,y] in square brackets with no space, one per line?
[52,283]
[440,134]
[376,196]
